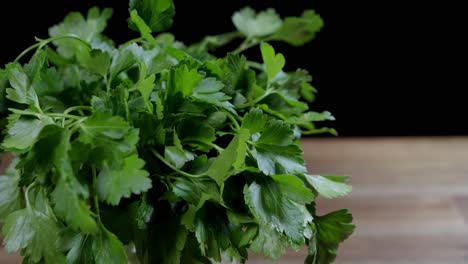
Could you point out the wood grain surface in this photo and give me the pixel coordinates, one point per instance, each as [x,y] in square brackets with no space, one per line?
[410,199]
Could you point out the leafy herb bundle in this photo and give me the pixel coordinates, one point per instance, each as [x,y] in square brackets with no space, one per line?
[162,152]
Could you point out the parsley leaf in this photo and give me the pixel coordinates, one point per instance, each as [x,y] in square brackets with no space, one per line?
[270,242]
[96,61]
[35,233]
[299,30]
[122,59]
[146,88]
[112,185]
[10,199]
[104,247]
[157,14]
[231,160]
[329,186]
[22,91]
[22,132]
[111,137]
[274,63]
[276,152]
[69,206]
[209,91]
[330,231]
[183,81]
[281,212]
[256,25]
[88,29]
[176,154]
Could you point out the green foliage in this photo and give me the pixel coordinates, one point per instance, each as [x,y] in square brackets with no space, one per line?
[163,148]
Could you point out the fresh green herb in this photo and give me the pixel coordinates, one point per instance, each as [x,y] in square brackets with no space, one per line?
[158,152]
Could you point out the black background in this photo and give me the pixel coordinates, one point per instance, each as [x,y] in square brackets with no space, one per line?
[383,68]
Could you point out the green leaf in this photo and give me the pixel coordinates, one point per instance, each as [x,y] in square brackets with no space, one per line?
[69,196]
[88,29]
[141,25]
[69,184]
[231,160]
[157,14]
[108,249]
[10,198]
[183,80]
[294,188]
[69,206]
[274,63]
[273,208]
[113,103]
[256,25]
[270,243]
[80,248]
[113,185]
[103,125]
[146,87]
[111,137]
[123,59]
[104,247]
[44,153]
[308,92]
[298,83]
[209,91]
[276,152]
[170,249]
[36,234]
[168,238]
[51,83]
[254,121]
[176,154]
[234,69]
[96,61]
[329,187]
[310,117]
[197,191]
[35,65]
[331,230]
[199,133]
[212,231]
[21,92]
[298,31]
[22,132]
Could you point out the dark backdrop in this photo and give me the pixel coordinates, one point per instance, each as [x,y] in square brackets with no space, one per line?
[382,67]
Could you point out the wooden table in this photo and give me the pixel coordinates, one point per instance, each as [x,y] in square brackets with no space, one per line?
[410,199]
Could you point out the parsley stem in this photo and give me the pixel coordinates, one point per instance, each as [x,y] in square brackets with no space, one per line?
[320,131]
[216,41]
[245,45]
[44,42]
[186,174]
[76,108]
[23,112]
[135,40]
[26,195]
[234,121]
[256,65]
[257,100]
[29,113]
[207,143]
[95,197]
[108,82]
[64,116]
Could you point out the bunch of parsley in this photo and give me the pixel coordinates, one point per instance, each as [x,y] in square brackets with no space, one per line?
[158,152]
